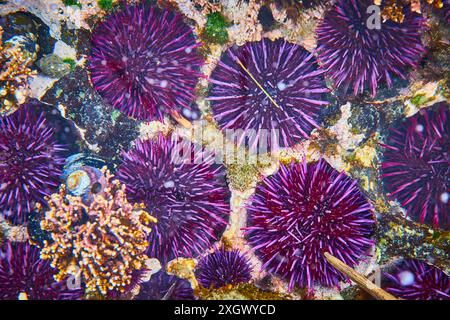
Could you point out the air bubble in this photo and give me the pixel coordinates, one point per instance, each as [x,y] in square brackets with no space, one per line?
[406,278]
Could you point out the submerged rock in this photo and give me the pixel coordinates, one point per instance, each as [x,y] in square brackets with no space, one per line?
[53,66]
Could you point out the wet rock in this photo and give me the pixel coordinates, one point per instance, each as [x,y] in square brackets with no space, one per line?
[53,66]
[364,119]
[266,18]
[216,28]
[29,27]
[106,131]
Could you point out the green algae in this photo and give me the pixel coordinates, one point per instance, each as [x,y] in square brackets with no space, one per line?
[72,3]
[216,28]
[71,63]
[105,4]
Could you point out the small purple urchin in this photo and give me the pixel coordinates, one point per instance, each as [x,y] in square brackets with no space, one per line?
[30,162]
[291,98]
[415,168]
[162,286]
[24,275]
[355,55]
[190,199]
[416,280]
[303,211]
[223,267]
[144,62]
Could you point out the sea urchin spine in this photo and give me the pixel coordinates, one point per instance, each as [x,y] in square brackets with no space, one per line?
[415,168]
[357,53]
[23,275]
[302,211]
[223,267]
[190,200]
[268,85]
[145,62]
[416,280]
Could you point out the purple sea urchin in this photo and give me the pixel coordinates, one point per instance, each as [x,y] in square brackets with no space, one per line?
[301,212]
[268,85]
[416,280]
[223,267]
[162,286]
[190,200]
[144,62]
[415,169]
[30,162]
[23,275]
[357,53]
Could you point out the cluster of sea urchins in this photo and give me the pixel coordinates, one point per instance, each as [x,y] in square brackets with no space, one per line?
[415,167]
[30,162]
[266,86]
[416,280]
[303,211]
[187,192]
[23,275]
[358,53]
[223,267]
[145,62]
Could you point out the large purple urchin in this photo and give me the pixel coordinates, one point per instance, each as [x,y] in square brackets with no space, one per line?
[289,101]
[162,286]
[191,200]
[223,267]
[416,280]
[24,275]
[30,162]
[303,211]
[145,62]
[415,168]
[357,56]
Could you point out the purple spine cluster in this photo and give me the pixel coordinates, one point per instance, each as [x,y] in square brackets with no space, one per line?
[357,53]
[162,286]
[223,267]
[24,275]
[190,199]
[145,62]
[416,280]
[415,167]
[30,162]
[303,211]
[268,85]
